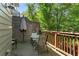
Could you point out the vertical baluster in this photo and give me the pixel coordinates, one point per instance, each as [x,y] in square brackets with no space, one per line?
[78,46]
[74,46]
[55,39]
[64,43]
[51,37]
[48,38]
[70,38]
[59,41]
[67,43]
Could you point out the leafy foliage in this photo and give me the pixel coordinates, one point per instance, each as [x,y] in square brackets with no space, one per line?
[56,17]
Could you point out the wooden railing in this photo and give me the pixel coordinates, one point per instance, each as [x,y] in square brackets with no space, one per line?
[66,43]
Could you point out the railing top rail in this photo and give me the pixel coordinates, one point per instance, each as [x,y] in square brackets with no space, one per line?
[68,34]
[74,33]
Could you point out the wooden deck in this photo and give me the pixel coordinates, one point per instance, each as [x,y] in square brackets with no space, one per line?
[26,49]
[50,44]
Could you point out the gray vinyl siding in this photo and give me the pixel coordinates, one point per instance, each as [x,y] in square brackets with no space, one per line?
[5,30]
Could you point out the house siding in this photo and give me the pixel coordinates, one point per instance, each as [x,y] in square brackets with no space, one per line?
[5,30]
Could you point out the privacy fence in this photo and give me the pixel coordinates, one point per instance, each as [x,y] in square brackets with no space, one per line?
[17,34]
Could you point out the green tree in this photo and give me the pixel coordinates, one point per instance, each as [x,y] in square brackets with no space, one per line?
[56,17]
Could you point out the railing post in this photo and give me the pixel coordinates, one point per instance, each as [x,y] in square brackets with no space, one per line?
[55,38]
